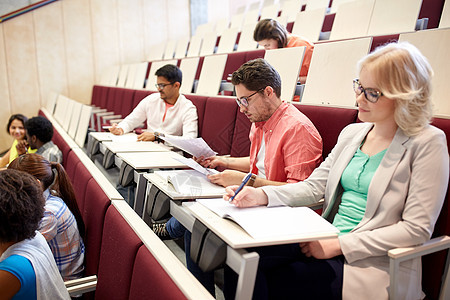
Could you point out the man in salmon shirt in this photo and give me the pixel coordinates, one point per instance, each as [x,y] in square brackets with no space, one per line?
[270,34]
[285,146]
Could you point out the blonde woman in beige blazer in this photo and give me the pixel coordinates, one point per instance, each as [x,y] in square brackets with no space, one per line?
[403,199]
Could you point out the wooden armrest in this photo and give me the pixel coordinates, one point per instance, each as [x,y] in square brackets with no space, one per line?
[109,117]
[106,113]
[433,245]
[399,255]
[115,121]
[98,110]
[82,285]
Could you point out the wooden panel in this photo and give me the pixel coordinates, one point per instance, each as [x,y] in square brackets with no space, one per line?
[308,24]
[334,86]
[50,50]
[352,19]
[434,44]
[287,62]
[445,16]
[5,112]
[394,16]
[22,65]
[105,35]
[79,49]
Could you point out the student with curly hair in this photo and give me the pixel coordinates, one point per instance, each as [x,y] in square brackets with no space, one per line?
[27,267]
[62,225]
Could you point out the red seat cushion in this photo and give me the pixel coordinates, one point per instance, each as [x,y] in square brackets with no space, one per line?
[150,280]
[93,214]
[218,123]
[119,248]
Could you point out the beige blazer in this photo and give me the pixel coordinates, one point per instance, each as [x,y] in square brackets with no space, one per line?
[404,199]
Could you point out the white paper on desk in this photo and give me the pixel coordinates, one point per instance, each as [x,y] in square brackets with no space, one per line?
[191,183]
[196,147]
[259,221]
[128,137]
[195,165]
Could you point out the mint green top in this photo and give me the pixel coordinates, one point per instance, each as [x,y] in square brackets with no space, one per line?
[355,180]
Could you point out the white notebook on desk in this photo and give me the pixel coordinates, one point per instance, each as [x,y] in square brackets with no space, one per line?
[191,183]
[264,222]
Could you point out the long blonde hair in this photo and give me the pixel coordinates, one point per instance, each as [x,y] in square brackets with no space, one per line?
[402,73]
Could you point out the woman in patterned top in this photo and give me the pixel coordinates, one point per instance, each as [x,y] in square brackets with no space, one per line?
[62,225]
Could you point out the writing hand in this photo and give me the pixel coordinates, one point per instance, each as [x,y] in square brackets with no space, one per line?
[114,129]
[247,197]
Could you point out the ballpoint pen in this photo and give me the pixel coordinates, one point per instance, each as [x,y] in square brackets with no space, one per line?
[241,186]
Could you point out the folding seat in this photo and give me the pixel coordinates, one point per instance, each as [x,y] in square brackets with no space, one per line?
[150,280]
[240,146]
[71,164]
[80,182]
[120,245]
[200,103]
[329,121]
[234,61]
[218,123]
[94,210]
[250,55]
[62,145]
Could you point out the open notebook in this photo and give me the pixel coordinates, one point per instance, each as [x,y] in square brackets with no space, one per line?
[191,183]
[264,222]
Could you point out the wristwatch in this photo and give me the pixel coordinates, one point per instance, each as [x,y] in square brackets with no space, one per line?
[158,135]
[251,181]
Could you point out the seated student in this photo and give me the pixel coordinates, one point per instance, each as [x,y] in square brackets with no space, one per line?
[62,225]
[39,132]
[383,184]
[27,267]
[278,132]
[15,128]
[270,34]
[167,112]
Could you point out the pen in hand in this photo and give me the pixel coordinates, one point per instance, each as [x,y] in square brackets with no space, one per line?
[241,186]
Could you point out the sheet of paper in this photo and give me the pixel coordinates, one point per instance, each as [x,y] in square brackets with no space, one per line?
[196,147]
[128,137]
[196,166]
[191,183]
[258,221]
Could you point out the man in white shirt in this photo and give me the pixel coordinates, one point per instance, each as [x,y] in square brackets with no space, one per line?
[167,112]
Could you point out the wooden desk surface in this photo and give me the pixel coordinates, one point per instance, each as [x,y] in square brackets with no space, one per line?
[151,160]
[117,147]
[237,238]
[168,189]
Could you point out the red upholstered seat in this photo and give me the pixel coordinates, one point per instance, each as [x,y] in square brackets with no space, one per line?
[329,121]
[127,102]
[218,123]
[150,280]
[120,245]
[250,55]
[80,182]
[138,96]
[71,164]
[200,103]
[240,146]
[94,210]
[234,61]
[199,68]
[62,145]
[433,264]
